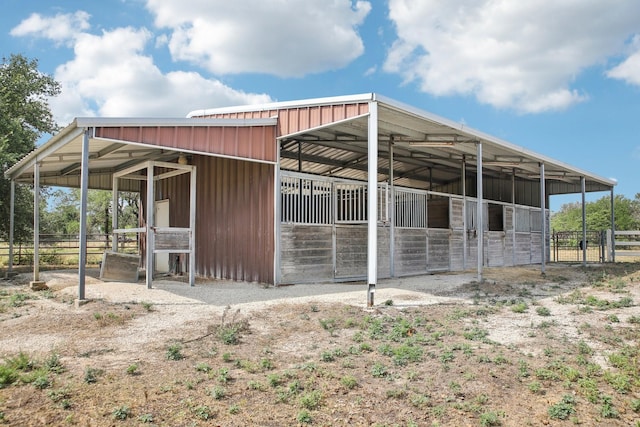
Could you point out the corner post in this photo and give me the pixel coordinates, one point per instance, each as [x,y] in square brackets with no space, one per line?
[192,226]
[543,218]
[150,225]
[36,221]
[613,228]
[584,221]
[84,187]
[372,193]
[12,207]
[480,211]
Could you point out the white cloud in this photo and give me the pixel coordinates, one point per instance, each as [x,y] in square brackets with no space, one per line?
[110,75]
[284,38]
[629,69]
[61,28]
[519,55]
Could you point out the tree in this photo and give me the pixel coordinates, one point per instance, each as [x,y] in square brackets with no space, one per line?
[598,215]
[65,218]
[24,117]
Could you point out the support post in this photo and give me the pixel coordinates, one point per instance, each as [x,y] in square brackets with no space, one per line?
[12,208]
[114,215]
[192,226]
[36,221]
[480,211]
[464,211]
[613,228]
[543,218]
[84,187]
[392,213]
[150,226]
[372,192]
[584,222]
[513,216]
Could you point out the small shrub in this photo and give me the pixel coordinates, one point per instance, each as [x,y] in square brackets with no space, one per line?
[490,418]
[223,375]
[635,405]
[145,418]
[53,364]
[147,306]
[304,417]
[520,307]
[132,369]
[543,311]
[327,356]
[8,376]
[388,302]
[349,382]
[535,387]
[203,412]
[311,400]
[274,380]
[174,352]
[234,409]
[379,370]
[218,392]
[266,364]
[41,382]
[256,385]
[563,409]
[91,375]
[121,413]
[608,410]
[203,367]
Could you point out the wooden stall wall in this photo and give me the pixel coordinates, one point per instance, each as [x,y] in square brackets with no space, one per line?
[410,251]
[306,253]
[351,251]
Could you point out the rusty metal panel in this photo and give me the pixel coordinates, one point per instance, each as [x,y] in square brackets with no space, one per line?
[234,217]
[247,142]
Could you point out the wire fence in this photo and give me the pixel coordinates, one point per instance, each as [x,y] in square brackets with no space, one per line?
[64,249]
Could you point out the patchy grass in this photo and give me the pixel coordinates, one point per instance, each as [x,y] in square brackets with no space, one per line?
[329,363]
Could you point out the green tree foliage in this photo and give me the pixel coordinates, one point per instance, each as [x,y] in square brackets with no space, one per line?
[598,215]
[24,117]
[64,218]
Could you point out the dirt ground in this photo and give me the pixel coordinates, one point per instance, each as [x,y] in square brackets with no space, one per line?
[518,349]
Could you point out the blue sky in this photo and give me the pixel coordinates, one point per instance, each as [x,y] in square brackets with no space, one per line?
[559,78]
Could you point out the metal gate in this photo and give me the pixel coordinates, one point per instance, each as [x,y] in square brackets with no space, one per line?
[566,246]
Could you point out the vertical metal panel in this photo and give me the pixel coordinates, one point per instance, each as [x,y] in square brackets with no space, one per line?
[248,142]
[296,119]
[234,217]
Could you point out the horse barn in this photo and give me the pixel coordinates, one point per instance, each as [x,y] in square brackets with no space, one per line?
[333,189]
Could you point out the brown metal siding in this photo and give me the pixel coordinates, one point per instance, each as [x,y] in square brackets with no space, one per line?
[248,142]
[234,217]
[292,120]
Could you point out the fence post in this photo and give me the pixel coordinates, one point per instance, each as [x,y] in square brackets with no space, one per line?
[609,246]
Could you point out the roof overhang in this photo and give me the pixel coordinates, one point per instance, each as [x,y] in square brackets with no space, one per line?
[426,147]
[59,158]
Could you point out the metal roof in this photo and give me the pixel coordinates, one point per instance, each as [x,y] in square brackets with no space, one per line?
[428,150]
[59,158]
